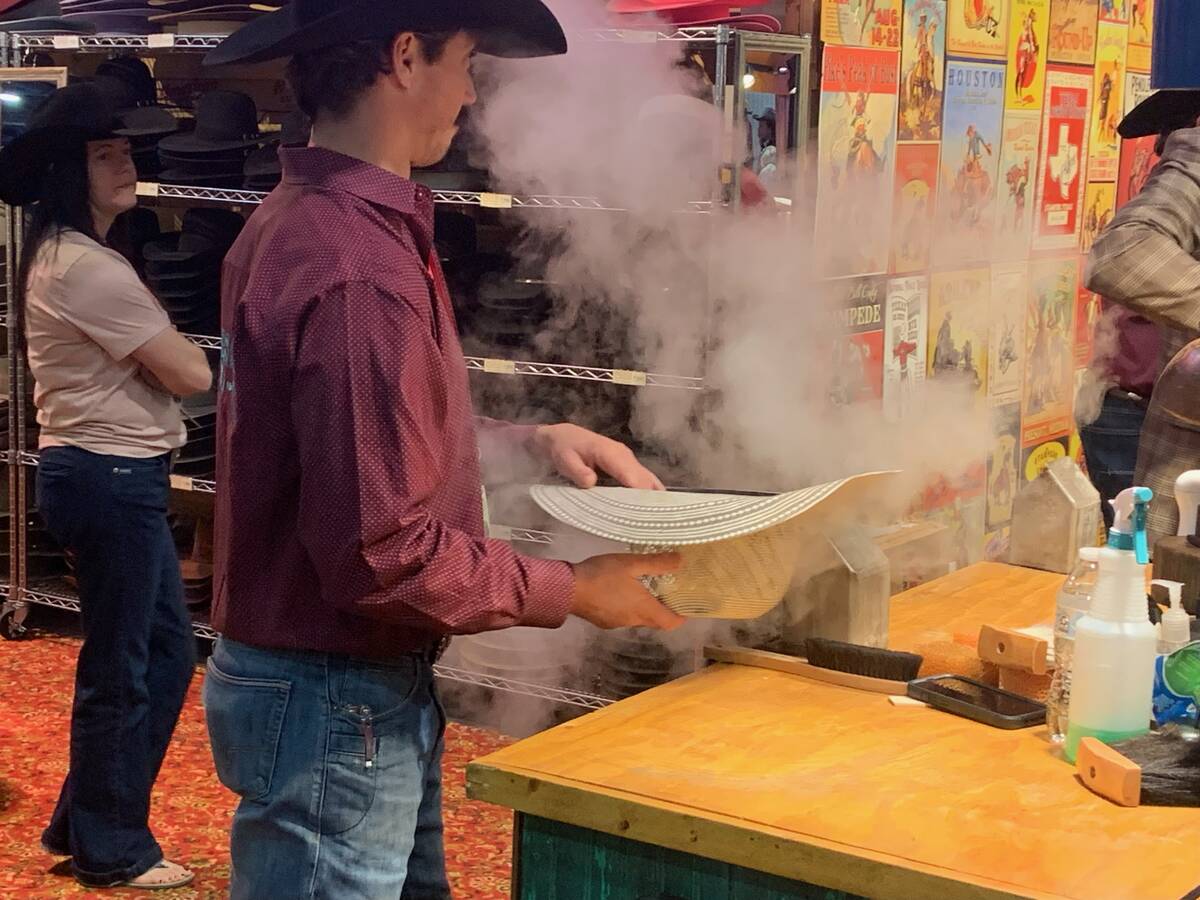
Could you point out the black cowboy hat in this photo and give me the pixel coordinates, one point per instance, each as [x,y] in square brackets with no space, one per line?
[225,120]
[515,28]
[147,122]
[61,126]
[1161,112]
[40,17]
[135,75]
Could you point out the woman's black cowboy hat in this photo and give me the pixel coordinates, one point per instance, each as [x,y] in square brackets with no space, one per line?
[514,28]
[59,128]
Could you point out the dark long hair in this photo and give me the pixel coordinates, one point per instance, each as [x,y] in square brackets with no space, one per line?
[63,204]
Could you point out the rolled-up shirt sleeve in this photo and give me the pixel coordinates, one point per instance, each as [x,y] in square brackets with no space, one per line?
[371,418]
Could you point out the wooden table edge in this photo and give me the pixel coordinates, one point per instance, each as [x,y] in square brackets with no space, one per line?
[804,858]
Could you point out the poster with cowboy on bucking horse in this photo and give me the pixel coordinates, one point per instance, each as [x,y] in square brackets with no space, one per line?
[922,70]
[856,141]
[970,162]
[977,28]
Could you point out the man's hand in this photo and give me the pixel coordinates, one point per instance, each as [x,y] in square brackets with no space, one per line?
[609,595]
[579,455]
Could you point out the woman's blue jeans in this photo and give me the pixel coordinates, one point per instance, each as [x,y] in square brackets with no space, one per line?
[137,658]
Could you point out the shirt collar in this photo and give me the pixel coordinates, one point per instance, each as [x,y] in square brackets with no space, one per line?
[330,170]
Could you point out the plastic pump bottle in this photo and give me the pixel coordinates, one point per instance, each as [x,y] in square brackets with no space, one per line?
[1175,629]
[1112,688]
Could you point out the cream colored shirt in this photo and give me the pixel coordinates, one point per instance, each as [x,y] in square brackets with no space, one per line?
[86,312]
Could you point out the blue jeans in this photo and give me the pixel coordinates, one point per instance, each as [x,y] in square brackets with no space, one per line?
[337,762]
[1110,445]
[137,658]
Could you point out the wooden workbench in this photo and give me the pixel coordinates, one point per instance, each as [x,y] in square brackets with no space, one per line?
[743,783]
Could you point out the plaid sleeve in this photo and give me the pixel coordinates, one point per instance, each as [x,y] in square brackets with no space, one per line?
[1146,259]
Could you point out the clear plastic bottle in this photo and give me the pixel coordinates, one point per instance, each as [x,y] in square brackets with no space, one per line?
[1074,600]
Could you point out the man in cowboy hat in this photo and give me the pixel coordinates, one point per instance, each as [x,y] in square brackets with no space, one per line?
[1148,261]
[350,536]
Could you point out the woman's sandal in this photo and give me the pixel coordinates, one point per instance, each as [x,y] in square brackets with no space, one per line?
[161,877]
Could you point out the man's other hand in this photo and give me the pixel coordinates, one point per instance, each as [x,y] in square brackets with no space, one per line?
[581,455]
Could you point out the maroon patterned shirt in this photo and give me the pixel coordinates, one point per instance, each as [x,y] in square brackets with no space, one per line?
[349,515]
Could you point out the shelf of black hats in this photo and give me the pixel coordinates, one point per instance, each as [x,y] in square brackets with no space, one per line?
[703,35]
[103,43]
[59,596]
[523,535]
[205,341]
[178,482]
[483,199]
[206,486]
[627,377]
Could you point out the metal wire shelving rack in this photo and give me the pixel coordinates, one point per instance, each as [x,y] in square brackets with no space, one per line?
[17,594]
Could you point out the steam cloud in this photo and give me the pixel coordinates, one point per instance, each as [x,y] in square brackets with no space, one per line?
[737,299]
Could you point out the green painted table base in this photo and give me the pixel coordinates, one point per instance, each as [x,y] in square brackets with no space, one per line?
[554,861]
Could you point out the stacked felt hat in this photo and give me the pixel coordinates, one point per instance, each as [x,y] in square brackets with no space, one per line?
[129,88]
[263,169]
[184,269]
[696,13]
[195,542]
[111,16]
[632,660]
[198,457]
[41,17]
[209,16]
[510,310]
[213,155]
[149,16]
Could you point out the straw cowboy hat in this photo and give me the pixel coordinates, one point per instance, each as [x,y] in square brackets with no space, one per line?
[739,552]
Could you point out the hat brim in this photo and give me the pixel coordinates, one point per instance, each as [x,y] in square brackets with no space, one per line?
[677,519]
[26,160]
[190,144]
[162,252]
[1161,111]
[47,25]
[166,125]
[515,28]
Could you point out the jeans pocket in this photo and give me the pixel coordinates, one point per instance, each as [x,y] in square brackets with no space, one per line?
[348,788]
[245,722]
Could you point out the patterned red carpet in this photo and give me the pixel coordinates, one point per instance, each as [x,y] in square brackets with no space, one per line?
[191,811]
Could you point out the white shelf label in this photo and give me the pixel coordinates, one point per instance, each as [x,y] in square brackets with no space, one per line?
[181,483]
[65,42]
[157,41]
[147,188]
[500,533]
[496,201]
[500,366]
[627,376]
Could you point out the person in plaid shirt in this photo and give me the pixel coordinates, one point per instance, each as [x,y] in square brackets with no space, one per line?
[1148,260]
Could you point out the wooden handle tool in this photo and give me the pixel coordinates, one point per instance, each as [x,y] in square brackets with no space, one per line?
[1106,772]
[1013,650]
[794,665]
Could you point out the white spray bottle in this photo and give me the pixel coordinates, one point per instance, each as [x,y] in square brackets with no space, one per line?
[1112,687]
